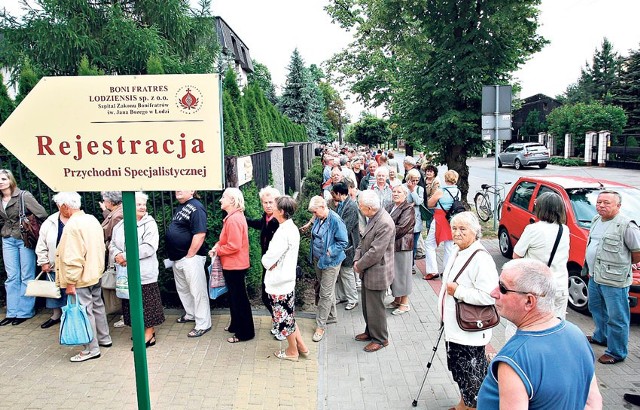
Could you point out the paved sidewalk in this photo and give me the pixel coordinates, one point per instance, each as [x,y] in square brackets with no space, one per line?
[210,373]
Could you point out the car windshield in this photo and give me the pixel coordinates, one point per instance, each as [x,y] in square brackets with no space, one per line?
[583,202]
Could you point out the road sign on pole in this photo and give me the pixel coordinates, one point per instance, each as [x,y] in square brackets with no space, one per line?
[100,133]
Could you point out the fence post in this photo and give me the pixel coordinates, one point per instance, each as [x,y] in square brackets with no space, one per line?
[603,142]
[277,165]
[568,145]
[588,147]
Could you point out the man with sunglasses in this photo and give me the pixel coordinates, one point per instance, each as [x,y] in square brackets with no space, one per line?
[518,377]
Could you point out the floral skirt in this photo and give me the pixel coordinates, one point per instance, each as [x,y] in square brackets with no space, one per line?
[151,306]
[283,313]
[468,366]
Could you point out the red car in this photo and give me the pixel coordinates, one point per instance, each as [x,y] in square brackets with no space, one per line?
[579,195]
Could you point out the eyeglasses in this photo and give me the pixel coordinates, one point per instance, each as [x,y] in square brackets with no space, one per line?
[504,291]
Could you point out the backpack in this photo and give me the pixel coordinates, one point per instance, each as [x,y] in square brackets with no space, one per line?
[456,207]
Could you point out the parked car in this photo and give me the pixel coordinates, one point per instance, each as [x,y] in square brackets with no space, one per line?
[579,195]
[524,154]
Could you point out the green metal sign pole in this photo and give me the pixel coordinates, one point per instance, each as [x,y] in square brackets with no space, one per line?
[135,299]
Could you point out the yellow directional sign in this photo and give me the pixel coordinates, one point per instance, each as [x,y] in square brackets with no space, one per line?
[96,133]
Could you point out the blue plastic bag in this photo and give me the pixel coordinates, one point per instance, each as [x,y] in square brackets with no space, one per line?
[122,282]
[215,293]
[75,327]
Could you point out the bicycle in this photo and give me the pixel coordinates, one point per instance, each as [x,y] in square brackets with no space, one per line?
[483,202]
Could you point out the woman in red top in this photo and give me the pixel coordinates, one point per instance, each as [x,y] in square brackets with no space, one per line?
[233,251]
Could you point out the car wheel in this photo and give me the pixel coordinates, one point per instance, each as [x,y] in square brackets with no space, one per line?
[517,164]
[578,292]
[499,163]
[505,243]
[543,166]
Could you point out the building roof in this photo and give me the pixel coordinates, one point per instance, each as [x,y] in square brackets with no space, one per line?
[233,45]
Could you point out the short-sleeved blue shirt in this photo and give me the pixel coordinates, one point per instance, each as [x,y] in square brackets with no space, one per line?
[555,365]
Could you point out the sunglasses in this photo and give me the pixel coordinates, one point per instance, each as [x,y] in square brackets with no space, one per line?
[504,291]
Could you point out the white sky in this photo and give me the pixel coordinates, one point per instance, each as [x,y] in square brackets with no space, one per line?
[273,29]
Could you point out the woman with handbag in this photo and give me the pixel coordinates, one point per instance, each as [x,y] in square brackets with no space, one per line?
[50,234]
[403,214]
[19,259]
[536,243]
[280,261]
[469,277]
[233,251]
[148,238]
[416,198]
[111,206]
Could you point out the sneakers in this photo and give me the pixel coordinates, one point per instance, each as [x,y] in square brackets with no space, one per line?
[119,323]
[83,357]
[274,331]
[351,306]
[280,337]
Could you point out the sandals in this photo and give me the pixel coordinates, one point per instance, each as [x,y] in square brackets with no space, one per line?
[393,305]
[304,354]
[606,359]
[399,311]
[233,339]
[197,332]
[183,319]
[595,342]
[281,354]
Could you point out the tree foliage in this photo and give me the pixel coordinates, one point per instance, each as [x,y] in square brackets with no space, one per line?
[6,103]
[117,36]
[426,63]
[627,93]
[370,130]
[302,100]
[261,76]
[533,124]
[597,81]
[578,119]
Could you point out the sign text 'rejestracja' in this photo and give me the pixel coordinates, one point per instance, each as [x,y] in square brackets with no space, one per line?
[180,146]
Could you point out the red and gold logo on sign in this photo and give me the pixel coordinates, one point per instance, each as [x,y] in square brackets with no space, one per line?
[189,99]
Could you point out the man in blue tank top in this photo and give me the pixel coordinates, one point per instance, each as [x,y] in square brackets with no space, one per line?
[548,364]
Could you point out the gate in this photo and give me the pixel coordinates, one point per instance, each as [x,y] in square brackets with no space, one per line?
[624,152]
[289,165]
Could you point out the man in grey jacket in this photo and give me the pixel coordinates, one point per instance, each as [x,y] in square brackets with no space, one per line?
[614,244]
[374,261]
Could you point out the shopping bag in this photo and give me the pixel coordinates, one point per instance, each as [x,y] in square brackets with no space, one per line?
[215,293]
[217,286]
[216,278]
[75,328]
[43,288]
[122,282]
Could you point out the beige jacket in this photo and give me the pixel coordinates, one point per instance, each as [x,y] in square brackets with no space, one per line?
[80,253]
[46,246]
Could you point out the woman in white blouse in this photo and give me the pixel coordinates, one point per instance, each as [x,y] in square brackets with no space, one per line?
[280,261]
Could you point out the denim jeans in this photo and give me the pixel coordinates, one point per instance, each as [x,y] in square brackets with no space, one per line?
[20,264]
[609,307]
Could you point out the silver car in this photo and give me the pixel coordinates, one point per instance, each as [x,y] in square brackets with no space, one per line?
[524,154]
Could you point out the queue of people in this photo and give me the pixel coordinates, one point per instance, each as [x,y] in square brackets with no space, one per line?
[364,239]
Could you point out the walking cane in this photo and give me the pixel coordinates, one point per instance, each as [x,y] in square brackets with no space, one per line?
[435,348]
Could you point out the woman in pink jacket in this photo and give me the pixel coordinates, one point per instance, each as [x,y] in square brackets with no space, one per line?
[233,251]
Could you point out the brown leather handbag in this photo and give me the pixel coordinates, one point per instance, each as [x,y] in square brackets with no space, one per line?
[475,318]
[29,226]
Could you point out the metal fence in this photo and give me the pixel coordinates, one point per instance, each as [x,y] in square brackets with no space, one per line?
[624,152]
[261,168]
[288,159]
